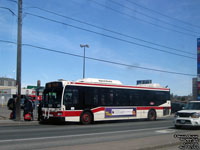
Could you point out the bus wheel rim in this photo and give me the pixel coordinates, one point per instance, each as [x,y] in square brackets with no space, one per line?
[152,116]
[86,118]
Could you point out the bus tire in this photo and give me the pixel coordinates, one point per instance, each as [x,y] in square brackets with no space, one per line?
[86,118]
[152,115]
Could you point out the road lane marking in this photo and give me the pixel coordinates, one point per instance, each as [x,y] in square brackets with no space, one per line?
[165,131]
[80,135]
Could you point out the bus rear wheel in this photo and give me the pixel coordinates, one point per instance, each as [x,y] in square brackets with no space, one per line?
[86,118]
[152,115]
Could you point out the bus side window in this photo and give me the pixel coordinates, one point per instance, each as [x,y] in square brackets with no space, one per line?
[68,97]
[75,96]
[95,97]
[111,98]
[131,99]
[160,97]
[136,98]
[71,96]
[89,97]
[121,98]
[103,100]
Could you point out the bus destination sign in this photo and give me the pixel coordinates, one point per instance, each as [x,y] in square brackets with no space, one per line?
[54,85]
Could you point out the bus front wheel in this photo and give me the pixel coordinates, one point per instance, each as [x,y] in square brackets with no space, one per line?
[152,115]
[86,118]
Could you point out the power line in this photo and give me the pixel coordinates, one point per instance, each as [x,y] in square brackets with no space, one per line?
[149,10]
[156,25]
[9,42]
[100,60]
[157,12]
[12,12]
[109,36]
[13,1]
[162,21]
[112,31]
[107,61]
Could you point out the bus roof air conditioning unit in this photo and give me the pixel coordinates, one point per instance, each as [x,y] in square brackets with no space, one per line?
[100,81]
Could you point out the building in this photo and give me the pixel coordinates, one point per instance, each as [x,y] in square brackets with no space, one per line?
[198,69]
[8,89]
[8,92]
[194,88]
[196,81]
[7,86]
[7,81]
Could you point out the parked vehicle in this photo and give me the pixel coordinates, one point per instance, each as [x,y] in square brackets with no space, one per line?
[189,116]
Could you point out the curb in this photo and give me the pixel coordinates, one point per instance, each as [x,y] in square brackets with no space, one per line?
[157,147]
[3,118]
[18,123]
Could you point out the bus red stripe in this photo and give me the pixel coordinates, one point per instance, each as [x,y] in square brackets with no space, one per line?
[121,86]
[71,113]
[147,108]
[98,109]
[78,113]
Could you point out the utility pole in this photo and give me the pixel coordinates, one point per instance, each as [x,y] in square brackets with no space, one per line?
[19,54]
[84,58]
[37,94]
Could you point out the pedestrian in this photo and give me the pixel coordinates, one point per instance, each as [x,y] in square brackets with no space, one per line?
[28,109]
[40,110]
[12,106]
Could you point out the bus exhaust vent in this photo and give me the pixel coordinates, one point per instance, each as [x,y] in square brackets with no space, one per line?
[99,81]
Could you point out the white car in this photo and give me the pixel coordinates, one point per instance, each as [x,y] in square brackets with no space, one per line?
[189,116]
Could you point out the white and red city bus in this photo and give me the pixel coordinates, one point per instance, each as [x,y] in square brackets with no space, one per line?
[89,100]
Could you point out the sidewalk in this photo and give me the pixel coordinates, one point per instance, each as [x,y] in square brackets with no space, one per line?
[5,121]
[17,123]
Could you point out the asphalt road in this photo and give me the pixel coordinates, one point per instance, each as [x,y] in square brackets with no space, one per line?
[134,134]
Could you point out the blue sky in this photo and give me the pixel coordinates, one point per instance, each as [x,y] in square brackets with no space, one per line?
[49,66]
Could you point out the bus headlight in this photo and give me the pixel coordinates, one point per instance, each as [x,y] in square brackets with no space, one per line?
[59,114]
[195,115]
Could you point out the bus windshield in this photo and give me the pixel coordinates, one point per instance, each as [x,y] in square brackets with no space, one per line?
[192,106]
[52,97]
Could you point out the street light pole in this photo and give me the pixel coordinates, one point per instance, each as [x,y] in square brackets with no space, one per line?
[84,64]
[84,58]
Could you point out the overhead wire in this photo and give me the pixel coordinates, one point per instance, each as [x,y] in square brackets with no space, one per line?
[112,31]
[109,31]
[142,20]
[100,60]
[154,18]
[109,36]
[164,15]
[96,59]
[13,1]
[12,12]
